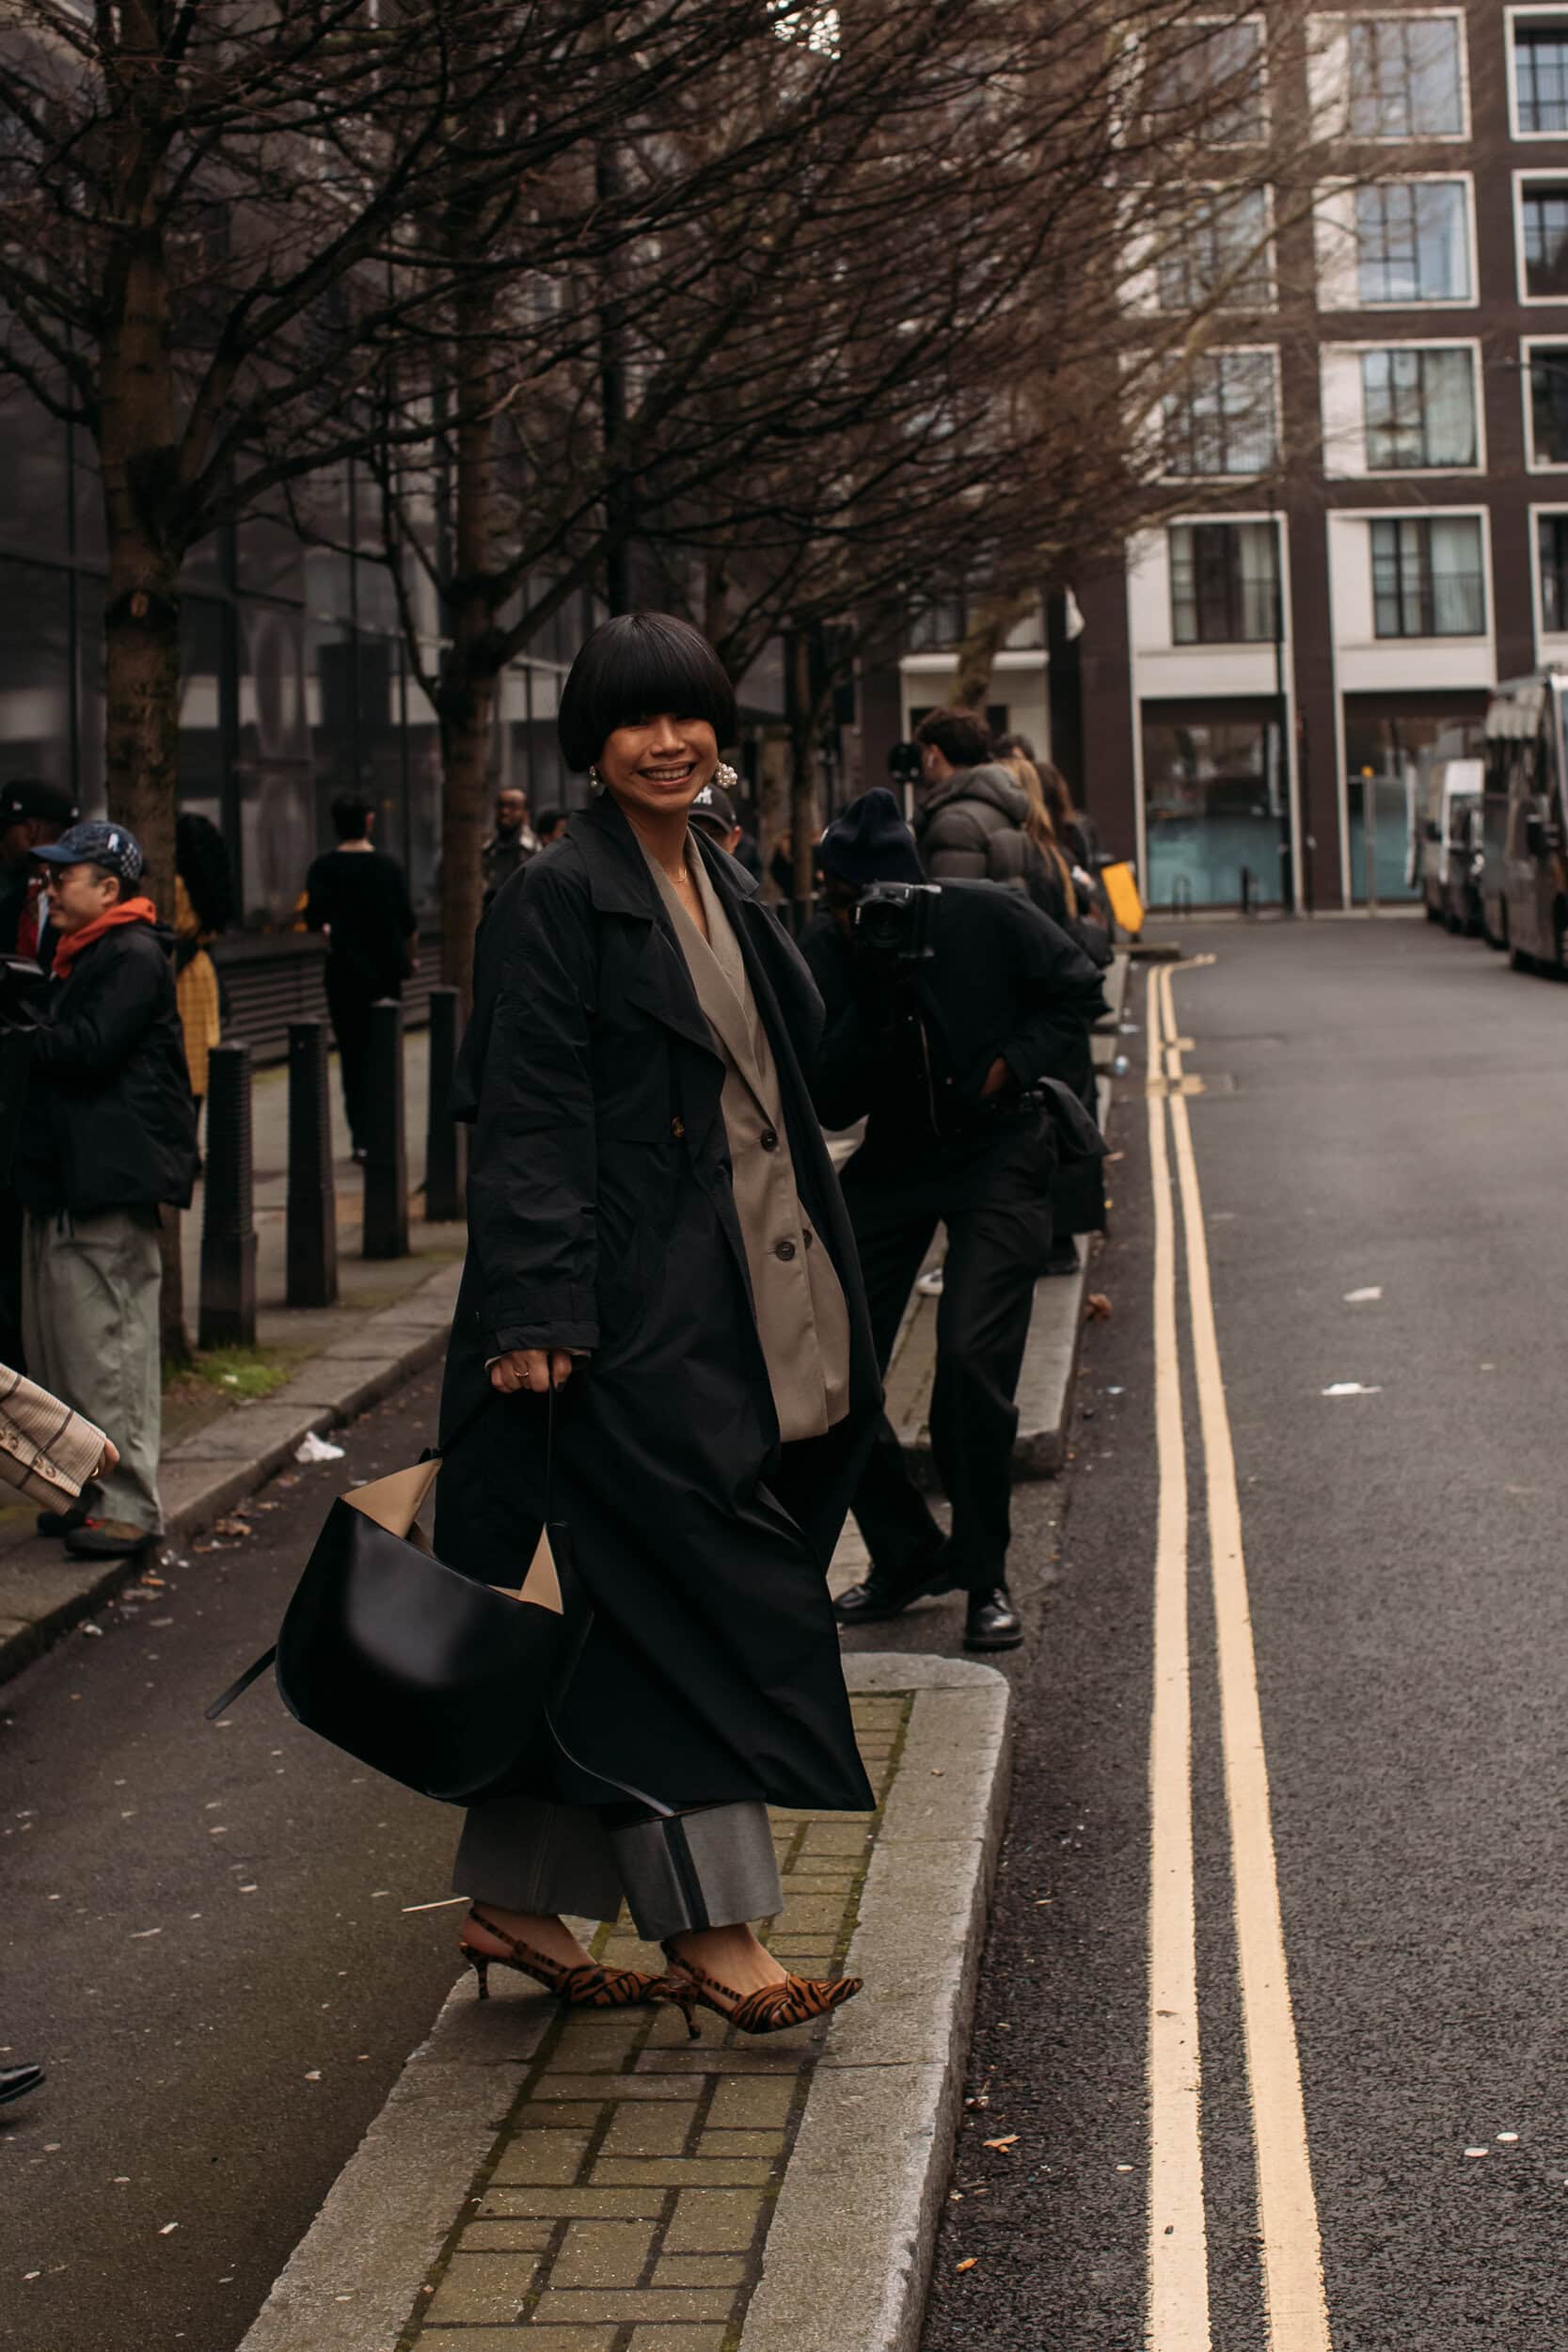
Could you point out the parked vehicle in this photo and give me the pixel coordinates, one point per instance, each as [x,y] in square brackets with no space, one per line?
[1453,796]
[1466,864]
[1524,824]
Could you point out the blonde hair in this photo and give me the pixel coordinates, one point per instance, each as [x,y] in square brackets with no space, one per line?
[1038,827]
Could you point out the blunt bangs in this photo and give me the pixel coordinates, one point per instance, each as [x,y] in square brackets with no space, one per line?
[637,666]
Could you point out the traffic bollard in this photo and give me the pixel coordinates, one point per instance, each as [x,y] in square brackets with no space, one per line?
[445,1138]
[228,1309]
[386,1142]
[312,1236]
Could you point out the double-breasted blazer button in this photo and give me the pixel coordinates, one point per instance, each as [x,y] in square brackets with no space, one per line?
[785,1251]
[769,1139]
[677,1128]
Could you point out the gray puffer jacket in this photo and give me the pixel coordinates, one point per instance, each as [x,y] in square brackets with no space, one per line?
[970,829]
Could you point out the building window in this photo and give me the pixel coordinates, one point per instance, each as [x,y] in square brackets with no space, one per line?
[1427,577]
[1549,403]
[1222,420]
[1419,409]
[1413,242]
[1541,77]
[1224,584]
[1212,87]
[1405,78]
[1543,213]
[1551,538]
[1223,255]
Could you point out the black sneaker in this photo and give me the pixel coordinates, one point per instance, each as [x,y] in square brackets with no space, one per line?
[992,1623]
[66,1523]
[109,1539]
[16,2081]
[884,1596]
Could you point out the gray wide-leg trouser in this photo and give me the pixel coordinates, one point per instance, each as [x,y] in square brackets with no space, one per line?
[90,1325]
[713,1868]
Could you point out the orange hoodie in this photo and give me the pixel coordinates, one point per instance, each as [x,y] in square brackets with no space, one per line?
[71,943]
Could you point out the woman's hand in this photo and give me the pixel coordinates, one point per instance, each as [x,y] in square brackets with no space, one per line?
[530,1368]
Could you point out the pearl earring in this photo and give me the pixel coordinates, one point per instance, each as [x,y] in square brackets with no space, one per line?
[725,777]
[596,782]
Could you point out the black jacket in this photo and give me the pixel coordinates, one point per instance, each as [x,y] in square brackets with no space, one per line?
[601,1217]
[909,1047]
[110,1121]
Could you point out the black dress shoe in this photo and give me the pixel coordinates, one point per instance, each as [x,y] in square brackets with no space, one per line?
[992,1623]
[884,1596]
[66,1523]
[16,2081]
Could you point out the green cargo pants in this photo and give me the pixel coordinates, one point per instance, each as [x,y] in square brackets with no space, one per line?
[90,1324]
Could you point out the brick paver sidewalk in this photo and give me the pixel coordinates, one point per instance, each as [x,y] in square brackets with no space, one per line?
[625,2203]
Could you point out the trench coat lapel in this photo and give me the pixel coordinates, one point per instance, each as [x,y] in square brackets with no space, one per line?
[619,882]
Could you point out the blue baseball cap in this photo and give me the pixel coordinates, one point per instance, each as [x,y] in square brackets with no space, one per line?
[97,843]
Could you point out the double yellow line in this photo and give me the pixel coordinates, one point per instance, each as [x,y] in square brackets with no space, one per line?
[1295,2309]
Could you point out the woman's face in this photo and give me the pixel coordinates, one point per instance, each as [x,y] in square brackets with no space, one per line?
[659,765]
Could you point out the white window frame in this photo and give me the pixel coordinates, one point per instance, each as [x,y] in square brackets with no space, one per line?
[1142,288]
[1224,351]
[1213,645]
[1328,77]
[1477,514]
[1227,23]
[1528,345]
[1362,472]
[1338,252]
[1558,638]
[1522,180]
[1512,18]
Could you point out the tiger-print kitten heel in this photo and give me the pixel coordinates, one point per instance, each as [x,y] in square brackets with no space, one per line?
[583,1985]
[796,2001]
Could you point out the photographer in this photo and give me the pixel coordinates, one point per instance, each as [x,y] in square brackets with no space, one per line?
[955,1014]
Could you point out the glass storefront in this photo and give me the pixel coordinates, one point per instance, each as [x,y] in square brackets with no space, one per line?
[1390,750]
[1215,802]
[295,681]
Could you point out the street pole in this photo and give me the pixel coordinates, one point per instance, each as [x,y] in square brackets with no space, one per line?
[1287,840]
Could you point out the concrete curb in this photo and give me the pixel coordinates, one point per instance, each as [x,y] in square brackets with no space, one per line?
[862,2195]
[868,2169]
[43,1592]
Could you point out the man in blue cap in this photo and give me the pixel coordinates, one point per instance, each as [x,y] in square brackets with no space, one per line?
[954,1014]
[107,1140]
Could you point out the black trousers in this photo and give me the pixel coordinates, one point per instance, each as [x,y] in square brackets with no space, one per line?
[994,1194]
[349,999]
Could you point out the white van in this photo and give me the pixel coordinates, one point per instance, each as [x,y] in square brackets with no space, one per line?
[1453,795]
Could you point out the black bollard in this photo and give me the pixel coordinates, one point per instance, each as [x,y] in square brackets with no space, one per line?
[446,1139]
[386,1142]
[228,1311]
[313,1207]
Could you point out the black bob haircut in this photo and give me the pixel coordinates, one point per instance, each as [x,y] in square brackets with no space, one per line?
[636,667]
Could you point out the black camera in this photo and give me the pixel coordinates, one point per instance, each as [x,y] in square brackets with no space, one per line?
[894,919]
[903,763]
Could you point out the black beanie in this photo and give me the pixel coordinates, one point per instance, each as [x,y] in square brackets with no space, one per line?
[870,842]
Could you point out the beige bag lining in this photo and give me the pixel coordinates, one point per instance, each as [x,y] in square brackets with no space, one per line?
[395,1503]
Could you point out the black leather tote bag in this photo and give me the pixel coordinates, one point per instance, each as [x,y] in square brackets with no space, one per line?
[442,1683]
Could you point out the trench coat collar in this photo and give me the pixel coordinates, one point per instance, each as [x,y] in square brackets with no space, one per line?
[618,881]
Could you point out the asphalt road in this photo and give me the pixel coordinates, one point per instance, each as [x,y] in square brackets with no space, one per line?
[203,1945]
[1386,1110]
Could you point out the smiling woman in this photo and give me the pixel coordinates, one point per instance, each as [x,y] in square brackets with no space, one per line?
[653,1221]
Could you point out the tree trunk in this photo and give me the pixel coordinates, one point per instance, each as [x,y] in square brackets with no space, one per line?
[141,660]
[990,623]
[467,703]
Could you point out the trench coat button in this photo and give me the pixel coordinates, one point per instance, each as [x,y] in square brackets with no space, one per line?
[769,1139]
[785,1251]
[677,1128]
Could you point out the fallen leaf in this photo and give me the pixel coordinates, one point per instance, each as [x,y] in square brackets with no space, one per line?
[167,2226]
[968,2264]
[1097,1308]
[231,1526]
[1011,2140]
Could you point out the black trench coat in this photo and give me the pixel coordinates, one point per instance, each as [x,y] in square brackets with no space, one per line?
[600,1218]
